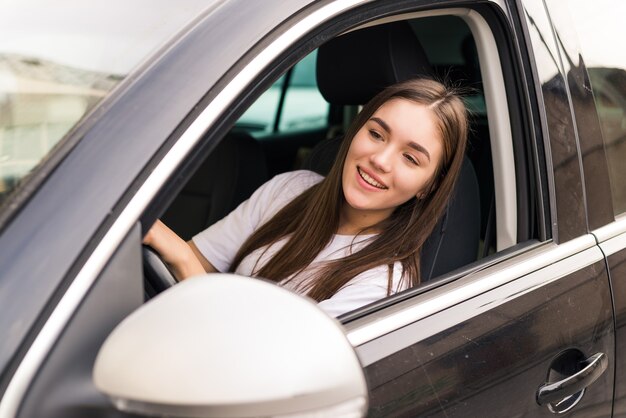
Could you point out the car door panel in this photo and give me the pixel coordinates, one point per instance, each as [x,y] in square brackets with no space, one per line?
[617,266]
[488,355]
[63,387]
[613,243]
[596,82]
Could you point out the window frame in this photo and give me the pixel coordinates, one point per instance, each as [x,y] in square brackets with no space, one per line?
[513,127]
[498,56]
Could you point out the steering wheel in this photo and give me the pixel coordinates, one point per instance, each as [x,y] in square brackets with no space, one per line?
[157,276]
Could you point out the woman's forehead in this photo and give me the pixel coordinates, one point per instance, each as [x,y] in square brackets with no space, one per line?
[411,123]
[406,116]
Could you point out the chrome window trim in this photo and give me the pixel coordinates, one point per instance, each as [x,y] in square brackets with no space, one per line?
[613,245]
[422,306]
[612,237]
[76,292]
[611,230]
[475,305]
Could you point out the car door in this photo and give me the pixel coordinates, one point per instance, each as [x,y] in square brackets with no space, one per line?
[492,341]
[478,341]
[594,67]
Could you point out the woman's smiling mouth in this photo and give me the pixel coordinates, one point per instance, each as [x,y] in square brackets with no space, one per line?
[370,180]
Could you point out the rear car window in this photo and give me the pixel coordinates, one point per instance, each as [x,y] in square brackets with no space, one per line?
[292,104]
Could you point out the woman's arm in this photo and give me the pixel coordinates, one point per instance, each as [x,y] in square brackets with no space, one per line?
[182,257]
[206,264]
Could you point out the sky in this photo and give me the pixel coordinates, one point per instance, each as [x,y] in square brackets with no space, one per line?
[110,36]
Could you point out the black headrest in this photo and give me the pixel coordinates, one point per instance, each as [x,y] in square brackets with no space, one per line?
[353,68]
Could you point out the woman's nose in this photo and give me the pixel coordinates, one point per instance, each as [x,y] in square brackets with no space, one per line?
[382,159]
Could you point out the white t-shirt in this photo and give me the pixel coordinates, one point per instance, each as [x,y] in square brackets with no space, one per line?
[221,241]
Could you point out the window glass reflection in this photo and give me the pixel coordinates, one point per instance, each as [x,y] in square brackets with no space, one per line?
[600,30]
[59,59]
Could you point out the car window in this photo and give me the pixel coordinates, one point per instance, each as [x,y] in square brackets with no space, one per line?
[599,25]
[250,154]
[292,104]
[65,61]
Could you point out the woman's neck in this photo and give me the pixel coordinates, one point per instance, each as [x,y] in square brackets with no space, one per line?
[354,221]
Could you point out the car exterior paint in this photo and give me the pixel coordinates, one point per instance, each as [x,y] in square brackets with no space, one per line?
[477,344]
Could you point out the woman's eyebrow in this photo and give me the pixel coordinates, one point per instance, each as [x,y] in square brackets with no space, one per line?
[417,147]
[382,123]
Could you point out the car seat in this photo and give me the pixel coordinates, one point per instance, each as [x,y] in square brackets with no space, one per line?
[353,68]
[231,173]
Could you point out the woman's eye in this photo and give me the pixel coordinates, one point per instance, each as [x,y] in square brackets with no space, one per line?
[375,135]
[411,159]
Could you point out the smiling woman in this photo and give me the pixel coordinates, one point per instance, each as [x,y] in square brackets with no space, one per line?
[387,156]
[355,236]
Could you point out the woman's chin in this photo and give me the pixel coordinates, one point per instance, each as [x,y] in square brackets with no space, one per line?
[357,202]
[364,205]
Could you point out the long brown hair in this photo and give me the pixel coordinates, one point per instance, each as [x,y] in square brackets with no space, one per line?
[312,218]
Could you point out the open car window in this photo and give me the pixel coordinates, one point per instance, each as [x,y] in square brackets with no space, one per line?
[275,135]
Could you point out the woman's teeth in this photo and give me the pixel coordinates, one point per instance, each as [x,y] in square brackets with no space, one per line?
[369,180]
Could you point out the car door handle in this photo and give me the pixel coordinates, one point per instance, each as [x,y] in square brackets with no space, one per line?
[556,391]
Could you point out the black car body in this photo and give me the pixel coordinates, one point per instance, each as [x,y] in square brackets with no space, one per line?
[545,293]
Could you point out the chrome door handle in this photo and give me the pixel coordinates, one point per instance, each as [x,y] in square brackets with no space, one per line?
[556,391]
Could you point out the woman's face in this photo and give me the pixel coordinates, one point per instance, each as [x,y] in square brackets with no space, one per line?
[391,160]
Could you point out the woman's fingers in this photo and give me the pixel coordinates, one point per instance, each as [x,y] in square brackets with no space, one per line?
[173,250]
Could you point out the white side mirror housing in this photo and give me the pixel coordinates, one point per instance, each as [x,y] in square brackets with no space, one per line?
[221,345]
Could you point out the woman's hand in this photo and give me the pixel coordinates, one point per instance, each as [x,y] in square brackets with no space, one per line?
[175,252]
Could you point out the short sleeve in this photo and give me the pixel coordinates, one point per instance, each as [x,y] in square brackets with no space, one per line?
[220,242]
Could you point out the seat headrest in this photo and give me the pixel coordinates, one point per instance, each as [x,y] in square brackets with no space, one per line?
[353,68]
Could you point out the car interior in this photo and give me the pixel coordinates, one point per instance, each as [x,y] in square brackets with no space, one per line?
[298,123]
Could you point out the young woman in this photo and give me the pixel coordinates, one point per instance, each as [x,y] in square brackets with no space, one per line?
[354,236]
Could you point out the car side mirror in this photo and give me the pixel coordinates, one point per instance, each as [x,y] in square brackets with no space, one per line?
[222,345]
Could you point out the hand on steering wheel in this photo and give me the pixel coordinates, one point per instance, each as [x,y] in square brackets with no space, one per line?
[157,274]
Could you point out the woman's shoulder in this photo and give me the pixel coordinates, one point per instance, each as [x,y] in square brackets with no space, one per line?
[298,177]
[282,189]
[292,183]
